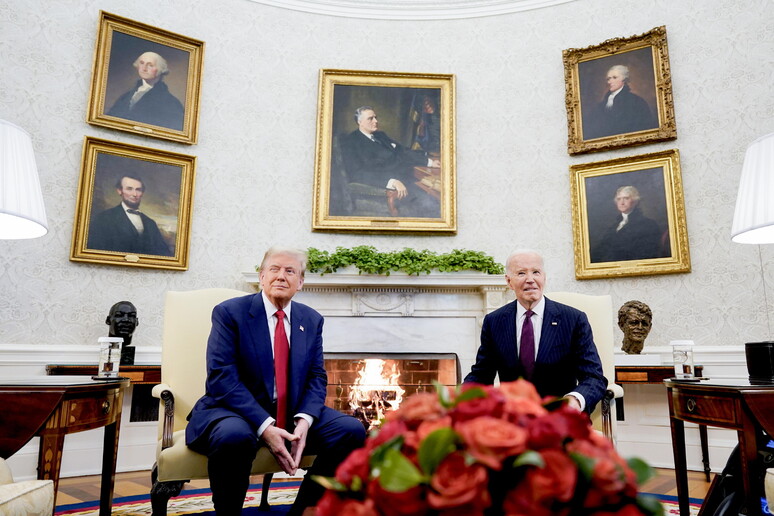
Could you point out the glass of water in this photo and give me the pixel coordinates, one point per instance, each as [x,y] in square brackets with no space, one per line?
[682,354]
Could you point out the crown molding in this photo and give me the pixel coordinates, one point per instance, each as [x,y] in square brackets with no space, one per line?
[412,9]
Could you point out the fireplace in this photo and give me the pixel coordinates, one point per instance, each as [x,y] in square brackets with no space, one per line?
[368,385]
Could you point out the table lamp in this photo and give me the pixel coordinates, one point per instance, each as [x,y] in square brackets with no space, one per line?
[754,224]
[22,213]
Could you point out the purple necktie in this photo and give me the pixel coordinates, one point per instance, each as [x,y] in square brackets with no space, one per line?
[527,349]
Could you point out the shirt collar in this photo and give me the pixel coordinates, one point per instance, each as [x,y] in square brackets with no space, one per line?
[538,309]
[271,309]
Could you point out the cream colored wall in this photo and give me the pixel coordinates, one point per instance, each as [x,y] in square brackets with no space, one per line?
[256,147]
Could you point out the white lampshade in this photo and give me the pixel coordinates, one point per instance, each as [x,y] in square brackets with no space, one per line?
[754,215]
[22,213]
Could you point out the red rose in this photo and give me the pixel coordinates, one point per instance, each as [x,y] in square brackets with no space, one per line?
[520,389]
[355,465]
[428,427]
[457,485]
[331,504]
[388,431]
[417,407]
[543,488]
[491,404]
[411,502]
[521,410]
[491,440]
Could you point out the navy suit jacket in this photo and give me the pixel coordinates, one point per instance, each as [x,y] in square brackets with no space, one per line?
[240,366]
[567,358]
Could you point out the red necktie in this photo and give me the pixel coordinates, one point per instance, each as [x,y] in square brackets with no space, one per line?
[527,349]
[281,369]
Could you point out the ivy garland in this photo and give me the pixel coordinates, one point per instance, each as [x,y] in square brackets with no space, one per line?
[411,261]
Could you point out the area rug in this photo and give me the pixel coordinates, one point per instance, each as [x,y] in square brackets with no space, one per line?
[191,501]
[199,501]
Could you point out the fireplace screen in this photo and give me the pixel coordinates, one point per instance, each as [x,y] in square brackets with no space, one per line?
[368,385]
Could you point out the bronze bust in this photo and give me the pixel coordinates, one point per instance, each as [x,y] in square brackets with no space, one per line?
[635,320]
[122,321]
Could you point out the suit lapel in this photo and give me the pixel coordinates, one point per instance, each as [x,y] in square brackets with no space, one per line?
[551,321]
[258,328]
[508,327]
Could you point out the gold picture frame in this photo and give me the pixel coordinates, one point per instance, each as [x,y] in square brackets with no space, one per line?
[404,178]
[619,93]
[157,184]
[654,238]
[170,109]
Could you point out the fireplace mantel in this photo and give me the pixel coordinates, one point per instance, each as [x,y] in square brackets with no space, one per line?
[396,293]
[462,279]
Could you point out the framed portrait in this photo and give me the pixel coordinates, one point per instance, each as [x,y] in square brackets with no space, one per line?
[385,155]
[145,80]
[133,206]
[629,217]
[619,93]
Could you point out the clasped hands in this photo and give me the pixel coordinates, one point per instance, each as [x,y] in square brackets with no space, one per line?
[276,439]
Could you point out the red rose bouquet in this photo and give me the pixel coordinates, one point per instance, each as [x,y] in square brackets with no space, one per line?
[483,451]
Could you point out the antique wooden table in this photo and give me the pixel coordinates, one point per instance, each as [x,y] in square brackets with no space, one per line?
[53,406]
[736,404]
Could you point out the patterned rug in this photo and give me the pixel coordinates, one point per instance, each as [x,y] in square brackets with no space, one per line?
[192,501]
[199,501]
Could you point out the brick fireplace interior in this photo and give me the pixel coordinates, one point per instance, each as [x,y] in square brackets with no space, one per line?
[381,380]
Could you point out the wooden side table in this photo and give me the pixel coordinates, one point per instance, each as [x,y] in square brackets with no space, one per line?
[143,377]
[653,374]
[736,404]
[52,407]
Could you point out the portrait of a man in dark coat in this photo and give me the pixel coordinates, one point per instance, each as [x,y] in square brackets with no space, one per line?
[124,228]
[149,100]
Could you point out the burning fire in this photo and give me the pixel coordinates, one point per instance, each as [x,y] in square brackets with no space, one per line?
[375,391]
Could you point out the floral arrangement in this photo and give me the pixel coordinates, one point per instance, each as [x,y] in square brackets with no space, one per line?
[480,451]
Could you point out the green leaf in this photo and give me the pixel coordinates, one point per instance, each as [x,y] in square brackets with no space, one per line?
[435,447]
[641,468]
[377,458]
[529,458]
[471,394]
[650,505]
[398,474]
[585,465]
[444,398]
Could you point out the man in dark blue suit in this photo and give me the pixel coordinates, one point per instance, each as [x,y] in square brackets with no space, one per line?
[565,362]
[238,411]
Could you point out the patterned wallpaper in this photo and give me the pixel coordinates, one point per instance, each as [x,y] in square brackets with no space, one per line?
[257,132]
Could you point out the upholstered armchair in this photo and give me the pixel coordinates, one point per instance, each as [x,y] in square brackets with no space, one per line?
[599,310]
[187,324]
[26,498]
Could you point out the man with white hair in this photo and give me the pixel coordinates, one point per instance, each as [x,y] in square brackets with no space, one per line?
[632,235]
[620,111]
[545,342]
[150,101]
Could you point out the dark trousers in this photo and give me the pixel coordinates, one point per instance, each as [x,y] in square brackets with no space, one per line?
[231,445]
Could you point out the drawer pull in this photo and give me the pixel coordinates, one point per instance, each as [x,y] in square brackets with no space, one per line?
[105,407]
[690,404]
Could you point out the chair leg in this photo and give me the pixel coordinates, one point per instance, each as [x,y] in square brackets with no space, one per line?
[265,492]
[161,492]
[607,419]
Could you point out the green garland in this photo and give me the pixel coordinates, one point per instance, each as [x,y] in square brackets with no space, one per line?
[370,261]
